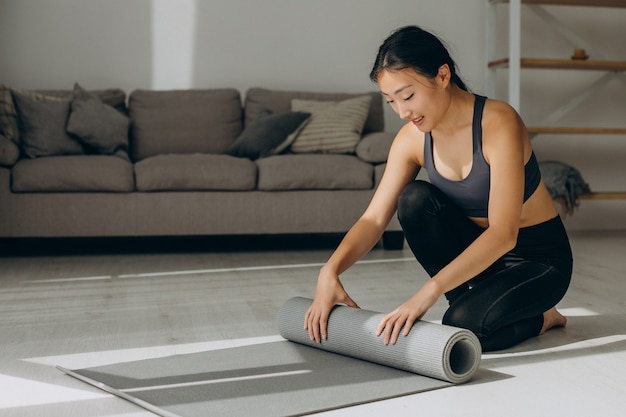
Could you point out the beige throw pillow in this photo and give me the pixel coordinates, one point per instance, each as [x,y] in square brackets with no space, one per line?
[334,127]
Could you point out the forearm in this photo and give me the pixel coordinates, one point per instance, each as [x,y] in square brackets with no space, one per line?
[359,240]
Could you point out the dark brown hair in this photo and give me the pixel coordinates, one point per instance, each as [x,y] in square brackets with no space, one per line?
[413,47]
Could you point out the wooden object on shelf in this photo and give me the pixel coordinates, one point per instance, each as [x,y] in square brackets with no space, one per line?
[591,3]
[579,54]
[550,63]
[604,195]
[577,130]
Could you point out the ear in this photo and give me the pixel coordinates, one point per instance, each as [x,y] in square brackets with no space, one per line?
[443,75]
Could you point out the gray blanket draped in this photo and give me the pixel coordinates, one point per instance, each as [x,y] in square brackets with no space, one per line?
[564,182]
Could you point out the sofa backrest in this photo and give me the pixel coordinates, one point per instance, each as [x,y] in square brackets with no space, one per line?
[260,100]
[114,97]
[183,121]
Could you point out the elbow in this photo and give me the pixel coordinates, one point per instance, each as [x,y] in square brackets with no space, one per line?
[511,243]
[508,239]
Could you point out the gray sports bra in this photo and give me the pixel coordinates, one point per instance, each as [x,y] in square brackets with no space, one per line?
[472,192]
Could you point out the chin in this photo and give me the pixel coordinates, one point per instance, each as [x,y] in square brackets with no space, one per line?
[422,128]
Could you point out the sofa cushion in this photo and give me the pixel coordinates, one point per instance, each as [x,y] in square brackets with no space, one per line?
[374,147]
[42,122]
[183,121]
[314,172]
[334,127]
[9,152]
[259,100]
[97,125]
[8,115]
[75,173]
[195,172]
[269,135]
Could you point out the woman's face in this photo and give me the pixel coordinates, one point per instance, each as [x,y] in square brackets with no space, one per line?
[418,99]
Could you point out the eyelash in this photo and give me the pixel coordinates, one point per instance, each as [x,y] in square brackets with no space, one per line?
[406,99]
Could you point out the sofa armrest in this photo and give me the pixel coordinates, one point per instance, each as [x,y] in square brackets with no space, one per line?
[374,147]
[9,152]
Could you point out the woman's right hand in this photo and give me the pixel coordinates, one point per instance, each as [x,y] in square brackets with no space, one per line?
[328,293]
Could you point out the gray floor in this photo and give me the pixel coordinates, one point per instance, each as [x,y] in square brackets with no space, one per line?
[79,311]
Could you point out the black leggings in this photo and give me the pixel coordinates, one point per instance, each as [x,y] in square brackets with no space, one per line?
[504,304]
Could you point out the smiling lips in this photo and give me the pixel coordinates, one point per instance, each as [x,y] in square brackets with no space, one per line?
[418,121]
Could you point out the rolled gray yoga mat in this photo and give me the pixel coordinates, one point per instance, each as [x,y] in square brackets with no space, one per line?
[434,350]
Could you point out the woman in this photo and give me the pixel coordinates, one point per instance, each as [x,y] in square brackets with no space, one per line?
[485,228]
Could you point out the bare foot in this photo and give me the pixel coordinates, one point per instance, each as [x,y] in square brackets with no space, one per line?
[552,318]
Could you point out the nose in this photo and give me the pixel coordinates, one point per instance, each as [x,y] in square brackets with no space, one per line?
[403,111]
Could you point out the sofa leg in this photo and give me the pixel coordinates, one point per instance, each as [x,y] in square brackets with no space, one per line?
[393,240]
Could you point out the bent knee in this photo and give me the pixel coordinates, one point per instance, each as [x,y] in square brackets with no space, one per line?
[415,197]
[464,320]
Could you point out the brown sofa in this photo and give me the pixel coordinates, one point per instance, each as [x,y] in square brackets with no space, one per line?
[175,172]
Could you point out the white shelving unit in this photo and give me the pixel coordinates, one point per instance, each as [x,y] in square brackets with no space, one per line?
[514,62]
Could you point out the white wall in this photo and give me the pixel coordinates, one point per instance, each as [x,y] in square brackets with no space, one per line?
[322,45]
[52,44]
[319,45]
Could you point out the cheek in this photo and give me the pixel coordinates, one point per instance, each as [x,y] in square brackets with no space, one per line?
[421,105]
[431,105]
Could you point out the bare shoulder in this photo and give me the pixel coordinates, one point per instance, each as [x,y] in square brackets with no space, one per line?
[504,132]
[501,117]
[502,123]
[409,144]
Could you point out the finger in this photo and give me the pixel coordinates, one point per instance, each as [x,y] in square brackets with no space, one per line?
[309,323]
[306,319]
[324,326]
[310,327]
[382,325]
[388,327]
[387,332]
[407,326]
[397,327]
[315,328]
[351,303]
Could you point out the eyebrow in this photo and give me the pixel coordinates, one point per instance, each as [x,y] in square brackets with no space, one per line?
[398,90]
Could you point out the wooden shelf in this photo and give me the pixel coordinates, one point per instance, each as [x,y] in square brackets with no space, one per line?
[604,195]
[535,130]
[610,68]
[591,3]
[548,63]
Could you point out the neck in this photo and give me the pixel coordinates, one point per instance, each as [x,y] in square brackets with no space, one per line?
[458,113]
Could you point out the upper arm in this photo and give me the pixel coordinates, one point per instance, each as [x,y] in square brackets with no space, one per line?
[403,165]
[504,137]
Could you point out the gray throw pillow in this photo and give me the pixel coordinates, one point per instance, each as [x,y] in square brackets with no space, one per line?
[97,125]
[9,152]
[268,135]
[374,147]
[8,116]
[42,125]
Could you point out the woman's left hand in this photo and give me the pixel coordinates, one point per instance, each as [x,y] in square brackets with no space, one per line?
[408,313]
